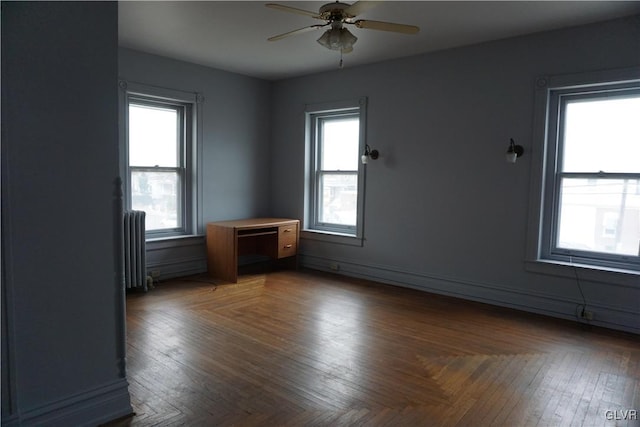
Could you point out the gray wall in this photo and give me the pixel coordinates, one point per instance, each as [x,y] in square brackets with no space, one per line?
[235,153]
[63,305]
[443,210]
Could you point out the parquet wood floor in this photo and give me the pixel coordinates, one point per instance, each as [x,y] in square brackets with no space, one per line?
[300,348]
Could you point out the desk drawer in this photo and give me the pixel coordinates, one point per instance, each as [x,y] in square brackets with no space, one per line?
[287,240]
[287,249]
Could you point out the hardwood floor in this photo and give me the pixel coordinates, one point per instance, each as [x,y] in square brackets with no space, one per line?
[305,348]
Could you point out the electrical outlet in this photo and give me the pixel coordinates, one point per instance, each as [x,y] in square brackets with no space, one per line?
[334,266]
[155,274]
[587,315]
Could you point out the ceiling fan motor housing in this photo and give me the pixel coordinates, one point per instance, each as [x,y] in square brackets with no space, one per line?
[335,11]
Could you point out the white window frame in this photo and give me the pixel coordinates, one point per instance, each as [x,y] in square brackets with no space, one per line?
[543,254]
[189,107]
[315,115]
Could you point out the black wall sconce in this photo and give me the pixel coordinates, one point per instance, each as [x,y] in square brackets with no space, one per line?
[513,152]
[369,153]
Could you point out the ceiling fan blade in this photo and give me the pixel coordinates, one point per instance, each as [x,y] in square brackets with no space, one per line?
[359,7]
[293,10]
[386,26]
[298,31]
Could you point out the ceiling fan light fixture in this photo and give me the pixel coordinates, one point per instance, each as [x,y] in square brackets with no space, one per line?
[338,39]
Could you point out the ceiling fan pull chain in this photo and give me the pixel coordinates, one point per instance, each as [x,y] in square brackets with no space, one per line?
[340,65]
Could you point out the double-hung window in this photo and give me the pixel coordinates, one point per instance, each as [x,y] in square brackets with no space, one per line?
[160,177]
[335,179]
[591,192]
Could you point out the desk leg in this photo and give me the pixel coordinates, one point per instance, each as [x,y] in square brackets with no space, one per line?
[222,256]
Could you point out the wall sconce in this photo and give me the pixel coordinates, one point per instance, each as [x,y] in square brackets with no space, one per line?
[513,152]
[368,152]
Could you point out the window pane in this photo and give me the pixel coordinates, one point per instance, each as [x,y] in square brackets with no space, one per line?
[602,135]
[340,140]
[158,194]
[153,136]
[600,215]
[338,199]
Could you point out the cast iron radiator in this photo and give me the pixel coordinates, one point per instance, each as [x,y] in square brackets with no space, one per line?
[135,258]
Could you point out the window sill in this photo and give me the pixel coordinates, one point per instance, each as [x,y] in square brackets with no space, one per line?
[610,276]
[331,237]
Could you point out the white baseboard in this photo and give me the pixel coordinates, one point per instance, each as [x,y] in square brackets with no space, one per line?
[91,408]
[549,305]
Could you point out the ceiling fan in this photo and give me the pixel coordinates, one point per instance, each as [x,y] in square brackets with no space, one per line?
[336,16]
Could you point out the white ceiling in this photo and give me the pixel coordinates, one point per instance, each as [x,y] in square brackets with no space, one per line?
[232,35]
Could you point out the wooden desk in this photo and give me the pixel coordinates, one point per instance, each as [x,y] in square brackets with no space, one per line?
[276,238]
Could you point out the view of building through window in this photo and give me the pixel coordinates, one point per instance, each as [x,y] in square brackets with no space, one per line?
[338,171]
[154,160]
[599,200]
